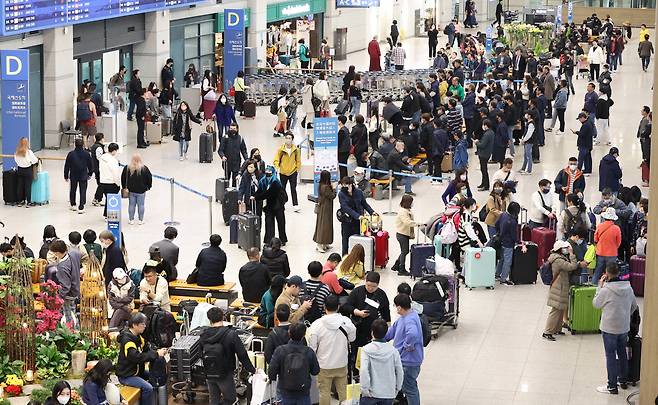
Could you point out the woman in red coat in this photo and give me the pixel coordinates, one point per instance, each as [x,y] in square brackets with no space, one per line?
[375,55]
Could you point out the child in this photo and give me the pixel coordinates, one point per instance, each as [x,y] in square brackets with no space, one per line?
[91,246]
[74,243]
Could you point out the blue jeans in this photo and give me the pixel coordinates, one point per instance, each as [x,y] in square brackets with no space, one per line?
[510,137]
[592,120]
[375,401]
[505,263]
[410,385]
[295,400]
[601,262]
[136,199]
[615,358]
[406,182]
[131,108]
[527,157]
[613,62]
[491,230]
[146,389]
[182,147]
[356,106]
[585,160]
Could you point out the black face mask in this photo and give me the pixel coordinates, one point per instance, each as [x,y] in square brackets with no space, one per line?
[232,132]
[257,157]
[268,174]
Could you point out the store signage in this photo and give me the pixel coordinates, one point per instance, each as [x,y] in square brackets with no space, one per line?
[570,12]
[233,45]
[304,8]
[356,3]
[113,203]
[15,90]
[325,132]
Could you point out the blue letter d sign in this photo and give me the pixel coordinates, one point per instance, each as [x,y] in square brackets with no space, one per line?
[233,19]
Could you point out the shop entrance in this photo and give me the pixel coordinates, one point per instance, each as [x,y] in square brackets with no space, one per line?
[99,67]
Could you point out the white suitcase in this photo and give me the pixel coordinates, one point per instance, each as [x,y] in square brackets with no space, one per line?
[368,243]
[154,132]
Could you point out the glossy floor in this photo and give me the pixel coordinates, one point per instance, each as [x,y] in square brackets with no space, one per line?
[496,355]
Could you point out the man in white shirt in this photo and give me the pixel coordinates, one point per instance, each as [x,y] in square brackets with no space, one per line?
[330,337]
[505,174]
[154,289]
[541,207]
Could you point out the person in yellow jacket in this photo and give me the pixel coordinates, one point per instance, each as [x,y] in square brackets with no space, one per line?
[643,31]
[288,161]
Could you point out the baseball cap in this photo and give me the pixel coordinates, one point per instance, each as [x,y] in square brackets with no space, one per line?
[119,274]
[154,249]
[295,280]
[614,151]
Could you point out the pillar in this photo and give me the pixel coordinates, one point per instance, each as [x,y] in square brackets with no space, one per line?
[150,56]
[649,372]
[59,72]
[257,31]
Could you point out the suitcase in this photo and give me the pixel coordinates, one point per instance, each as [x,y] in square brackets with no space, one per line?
[249,109]
[480,267]
[233,229]
[634,355]
[221,184]
[248,230]
[523,269]
[166,126]
[583,317]
[184,353]
[381,249]
[230,204]
[419,252]
[10,186]
[524,231]
[441,250]
[368,243]
[544,238]
[446,163]
[154,132]
[342,107]
[205,148]
[41,189]
[645,171]
[638,264]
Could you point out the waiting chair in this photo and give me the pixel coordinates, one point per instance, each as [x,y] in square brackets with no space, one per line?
[66,130]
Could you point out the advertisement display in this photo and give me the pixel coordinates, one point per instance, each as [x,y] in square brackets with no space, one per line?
[325,131]
[15,101]
[356,3]
[113,203]
[233,45]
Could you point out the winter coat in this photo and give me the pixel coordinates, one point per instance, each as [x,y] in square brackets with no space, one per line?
[549,85]
[485,145]
[603,105]
[211,264]
[276,261]
[137,182]
[232,147]
[134,353]
[558,294]
[181,125]
[307,94]
[574,182]
[288,162]
[617,300]
[120,296]
[353,205]
[108,166]
[596,56]
[609,173]
[272,197]
[585,136]
[78,165]
[439,143]
[410,104]
[224,115]
[255,280]
[468,105]
[324,221]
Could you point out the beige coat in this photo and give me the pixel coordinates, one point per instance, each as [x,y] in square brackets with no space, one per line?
[496,206]
[404,223]
[324,221]
[558,294]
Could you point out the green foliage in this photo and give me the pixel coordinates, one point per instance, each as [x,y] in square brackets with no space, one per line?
[51,362]
[39,395]
[66,339]
[104,351]
[4,401]
[8,367]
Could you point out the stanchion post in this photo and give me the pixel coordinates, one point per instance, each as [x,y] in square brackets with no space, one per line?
[171,221]
[390,195]
[207,243]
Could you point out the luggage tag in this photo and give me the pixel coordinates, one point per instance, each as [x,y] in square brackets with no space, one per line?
[441,291]
[372,303]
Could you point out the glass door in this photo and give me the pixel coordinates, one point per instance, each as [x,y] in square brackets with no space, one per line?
[90,67]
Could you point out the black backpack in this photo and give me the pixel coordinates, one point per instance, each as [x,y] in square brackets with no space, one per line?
[426,329]
[83,112]
[296,370]
[274,106]
[215,359]
[426,290]
[573,222]
[162,328]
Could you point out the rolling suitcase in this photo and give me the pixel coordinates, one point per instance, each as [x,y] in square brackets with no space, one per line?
[230,204]
[205,148]
[249,109]
[221,184]
[233,229]
[583,317]
[638,264]
[523,269]
[10,186]
[166,126]
[446,163]
[634,354]
[544,238]
[368,243]
[645,171]
[154,132]
[480,267]
[419,252]
[249,229]
[524,231]
[381,249]
[342,107]
[41,189]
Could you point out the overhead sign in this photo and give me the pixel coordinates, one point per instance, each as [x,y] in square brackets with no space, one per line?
[325,133]
[570,12]
[15,90]
[113,205]
[233,45]
[357,3]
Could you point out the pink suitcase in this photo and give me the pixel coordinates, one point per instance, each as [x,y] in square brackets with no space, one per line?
[637,274]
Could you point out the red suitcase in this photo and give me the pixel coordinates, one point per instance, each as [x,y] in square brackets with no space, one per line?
[645,171]
[381,249]
[637,274]
[545,239]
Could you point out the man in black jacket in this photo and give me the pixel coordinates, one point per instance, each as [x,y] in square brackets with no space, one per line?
[97,150]
[344,145]
[231,149]
[518,67]
[397,163]
[352,205]
[211,263]
[279,335]
[254,277]
[134,86]
[393,115]
[78,168]
[220,345]
[484,150]
[275,259]
[440,145]
[585,143]
[410,105]
[167,73]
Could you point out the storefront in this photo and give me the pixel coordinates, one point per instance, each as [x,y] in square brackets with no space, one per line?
[290,21]
[192,41]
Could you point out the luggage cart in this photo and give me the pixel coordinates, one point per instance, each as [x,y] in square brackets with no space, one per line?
[451,316]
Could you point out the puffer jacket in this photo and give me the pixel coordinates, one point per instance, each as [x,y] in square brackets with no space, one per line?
[110,172]
[558,294]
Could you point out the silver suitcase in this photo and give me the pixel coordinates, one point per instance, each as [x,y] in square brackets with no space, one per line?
[368,243]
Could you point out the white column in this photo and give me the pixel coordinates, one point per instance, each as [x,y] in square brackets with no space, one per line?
[59,87]
[257,31]
[150,56]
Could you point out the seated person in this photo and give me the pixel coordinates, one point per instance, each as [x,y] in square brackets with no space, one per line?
[134,353]
[210,264]
[290,297]
[96,384]
[266,309]
[329,277]
[74,244]
[27,252]
[351,268]
[161,266]
[276,259]
[278,336]
[361,182]
[154,289]
[121,295]
[376,161]
[254,277]
[7,252]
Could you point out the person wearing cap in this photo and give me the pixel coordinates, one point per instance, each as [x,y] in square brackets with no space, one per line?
[361,182]
[272,192]
[610,171]
[161,266]
[121,295]
[352,206]
[154,289]
[585,143]
[169,250]
[290,297]
[608,239]
[562,261]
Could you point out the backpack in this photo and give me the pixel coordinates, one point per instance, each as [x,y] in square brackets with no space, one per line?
[274,106]
[136,276]
[427,289]
[546,273]
[445,30]
[162,328]
[296,370]
[448,232]
[573,223]
[426,329]
[83,112]
[215,359]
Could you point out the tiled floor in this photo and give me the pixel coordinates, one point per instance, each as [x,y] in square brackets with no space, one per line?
[496,355]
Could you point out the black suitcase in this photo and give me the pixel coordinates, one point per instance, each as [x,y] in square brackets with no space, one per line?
[10,186]
[524,265]
[248,231]
[634,359]
[220,189]
[184,353]
[230,204]
[249,109]
[205,148]
[233,229]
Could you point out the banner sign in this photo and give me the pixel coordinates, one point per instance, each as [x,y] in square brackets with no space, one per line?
[15,101]
[489,41]
[233,45]
[325,132]
[570,12]
[356,3]
[558,19]
[113,203]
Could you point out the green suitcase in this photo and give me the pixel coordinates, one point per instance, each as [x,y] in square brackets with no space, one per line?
[583,317]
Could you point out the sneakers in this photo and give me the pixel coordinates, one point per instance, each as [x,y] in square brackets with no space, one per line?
[403,273]
[181,158]
[623,385]
[141,222]
[548,129]
[548,336]
[81,211]
[296,208]
[96,203]
[605,390]
[320,249]
[131,222]
[73,208]
[506,282]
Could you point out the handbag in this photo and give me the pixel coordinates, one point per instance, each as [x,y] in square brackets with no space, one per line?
[191,279]
[231,91]
[125,193]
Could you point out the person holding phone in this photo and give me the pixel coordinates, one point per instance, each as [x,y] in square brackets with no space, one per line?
[290,297]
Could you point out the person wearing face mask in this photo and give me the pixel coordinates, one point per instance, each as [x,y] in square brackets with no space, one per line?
[249,186]
[112,256]
[608,239]
[541,207]
[596,58]
[288,161]
[461,195]
[467,235]
[433,40]
[121,296]
[507,230]
[232,150]
[182,130]
[454,187]
[361,182]
[224,115]
[605,78]
[110,172]
[274,195]
[528,140]
[405,225]
[609,200]
[191,76]
[578,242]
[495,206]
[352,206]
[562,262]
[573,218]
[569,180]
[484,147]
[61,394]
[397,162]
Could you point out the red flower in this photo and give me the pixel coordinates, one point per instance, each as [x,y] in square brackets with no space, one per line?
[13,390]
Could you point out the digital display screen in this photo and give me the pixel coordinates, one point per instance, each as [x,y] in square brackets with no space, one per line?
[21,16]
[357,3]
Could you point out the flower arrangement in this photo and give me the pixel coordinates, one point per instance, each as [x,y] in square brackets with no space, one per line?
[536,37]
[13,385]
[51,314]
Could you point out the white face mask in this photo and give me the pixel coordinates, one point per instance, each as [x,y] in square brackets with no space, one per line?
[63,399]
[463,177]
[573,167]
